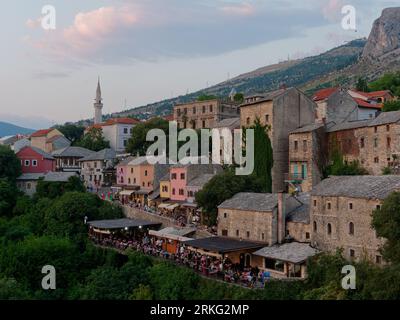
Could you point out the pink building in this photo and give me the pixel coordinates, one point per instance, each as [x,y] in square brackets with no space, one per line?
[181,175]
[35,160]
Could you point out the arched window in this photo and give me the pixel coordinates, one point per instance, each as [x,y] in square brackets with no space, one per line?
[315,226]
[351,228]
[329,229]
[248,120]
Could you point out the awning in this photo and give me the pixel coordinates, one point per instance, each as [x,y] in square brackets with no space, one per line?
[161,234]
[126,192]
[163,205]
[172,206]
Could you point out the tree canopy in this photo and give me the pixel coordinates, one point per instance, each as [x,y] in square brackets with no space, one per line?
[72,132]
[93,140]
[10,165]
[390,81]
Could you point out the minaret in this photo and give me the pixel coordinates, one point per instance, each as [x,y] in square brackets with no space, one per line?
[98,105]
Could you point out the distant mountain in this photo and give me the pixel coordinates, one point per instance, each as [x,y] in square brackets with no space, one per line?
[8,129]
[343,65]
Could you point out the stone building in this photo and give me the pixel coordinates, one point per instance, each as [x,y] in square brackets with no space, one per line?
[49,140]
[374,143]
[204,114]
[283,110]
[67,158]
[256,216]
[224,127]
[307,156]
[341,209]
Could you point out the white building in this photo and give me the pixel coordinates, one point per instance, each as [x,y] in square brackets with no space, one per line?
[118,131]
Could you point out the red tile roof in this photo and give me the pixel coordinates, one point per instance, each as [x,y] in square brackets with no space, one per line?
[366,104]
[169,117]
[41,133]
[324,94]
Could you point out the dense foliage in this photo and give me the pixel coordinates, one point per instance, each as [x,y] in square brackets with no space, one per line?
[390,81]
[339,167]
[93,140]
[72,132]
[10,165]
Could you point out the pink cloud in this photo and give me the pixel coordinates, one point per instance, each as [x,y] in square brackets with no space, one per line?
[88,32]
[332,10]
[32,23]
[242,9]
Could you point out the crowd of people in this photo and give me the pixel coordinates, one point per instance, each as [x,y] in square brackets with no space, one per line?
[209,266]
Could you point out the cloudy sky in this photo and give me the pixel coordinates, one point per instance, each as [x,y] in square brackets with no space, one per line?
[148,50]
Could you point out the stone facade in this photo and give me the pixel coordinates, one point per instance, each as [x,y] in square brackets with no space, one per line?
[251,226]
[204,114]
[307,156]
[345,222]
[299,231]
[284,111]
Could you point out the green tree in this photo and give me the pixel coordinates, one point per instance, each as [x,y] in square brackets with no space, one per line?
[205,97]
[390,81]
[238,97]
[8,196]
[386,222]
[52,189]
[10,165]
[221,187]
[10,289]
[391,106]
[72,132]
[263,158]
[362,85]
[137,144]
[93,140]
[339,167]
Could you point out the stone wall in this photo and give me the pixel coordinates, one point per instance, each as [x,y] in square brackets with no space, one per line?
[262,226]
[299,231]
[339,212]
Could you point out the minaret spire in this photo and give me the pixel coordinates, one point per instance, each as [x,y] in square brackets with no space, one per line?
[98,104]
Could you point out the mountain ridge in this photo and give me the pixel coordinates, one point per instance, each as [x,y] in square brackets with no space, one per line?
[9,129]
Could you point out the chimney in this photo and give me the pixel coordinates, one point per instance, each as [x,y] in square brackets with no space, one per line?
[281,227]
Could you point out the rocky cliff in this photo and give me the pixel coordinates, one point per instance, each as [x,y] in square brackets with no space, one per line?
[385,34]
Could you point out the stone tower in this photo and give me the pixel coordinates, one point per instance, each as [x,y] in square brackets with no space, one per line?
[98,105]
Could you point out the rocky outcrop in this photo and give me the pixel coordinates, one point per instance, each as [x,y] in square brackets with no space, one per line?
[385,35]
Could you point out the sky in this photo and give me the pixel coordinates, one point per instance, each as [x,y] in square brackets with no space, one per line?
[149,50]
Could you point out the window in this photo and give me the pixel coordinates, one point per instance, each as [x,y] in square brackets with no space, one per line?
[145,173]
[224,233]
[248,234]
[351,206]
[267,118]
[378,259]
[125,142]
[203,124]
[173,190]
[376,142]
[388,142]
[329,205]
[307,235]
[131,170]
[143,184]
[182,176]
[237,233]
[315,226]
[248,120]
[351,228]
[173,176]
[204,109]
[362,143]
[378,207]
[194,110]
[34,163]
[134,180]
[375,129]
[211,108]
[129,180]
[262,236]
[296,145]
[148,184]
[388,128]
[125,130]
[315,203]
[352,253]
[178,111]
[376,159]
[27,163]
[181,192]
[131,130]
[28,185]
[329,229]
[225,214]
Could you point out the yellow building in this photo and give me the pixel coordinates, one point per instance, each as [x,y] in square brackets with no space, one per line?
[165,187]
